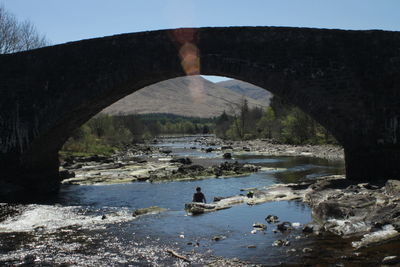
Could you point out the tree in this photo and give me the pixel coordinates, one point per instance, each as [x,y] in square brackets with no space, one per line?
[244,118]
[18,36]
[267,124]
[222,124]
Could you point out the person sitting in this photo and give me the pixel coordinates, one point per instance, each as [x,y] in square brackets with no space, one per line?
[199,196]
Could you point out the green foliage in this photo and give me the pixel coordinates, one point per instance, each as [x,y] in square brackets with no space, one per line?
[267,124]
[100,135]
[164,124]
[222,124]
[103,134]
[280,121]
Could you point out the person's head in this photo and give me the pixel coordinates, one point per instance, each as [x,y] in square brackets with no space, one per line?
[198,189]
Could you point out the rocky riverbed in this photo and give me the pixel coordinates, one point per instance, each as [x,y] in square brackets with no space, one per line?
[144,162]
[272,148]
[368,214]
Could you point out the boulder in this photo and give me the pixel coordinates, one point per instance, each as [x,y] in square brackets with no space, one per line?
[311,228]
[392,187]
[285,226]
[227,155]
[343,207]
[272,219]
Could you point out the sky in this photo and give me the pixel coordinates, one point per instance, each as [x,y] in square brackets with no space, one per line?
[71,20]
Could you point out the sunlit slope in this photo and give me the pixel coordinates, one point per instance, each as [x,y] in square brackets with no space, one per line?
[187,96]
[248,90]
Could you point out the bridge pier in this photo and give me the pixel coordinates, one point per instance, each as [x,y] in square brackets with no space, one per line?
[22,184]
[372,164]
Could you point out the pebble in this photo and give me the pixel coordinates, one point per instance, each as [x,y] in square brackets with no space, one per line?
[280,243]
[218,238]
[296,224]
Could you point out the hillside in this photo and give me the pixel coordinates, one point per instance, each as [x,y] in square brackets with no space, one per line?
[186,96]
[247,89]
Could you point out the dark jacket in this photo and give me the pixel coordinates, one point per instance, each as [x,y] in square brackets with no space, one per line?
[199,197]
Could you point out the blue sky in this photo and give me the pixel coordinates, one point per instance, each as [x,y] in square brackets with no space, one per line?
[70,20]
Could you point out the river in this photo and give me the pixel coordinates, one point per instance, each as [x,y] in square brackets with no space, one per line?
[92,225]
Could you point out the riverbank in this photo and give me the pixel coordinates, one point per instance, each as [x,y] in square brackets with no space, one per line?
[149,162]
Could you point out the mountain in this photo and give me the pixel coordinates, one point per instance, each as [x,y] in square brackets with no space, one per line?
[247,89]
[186,96]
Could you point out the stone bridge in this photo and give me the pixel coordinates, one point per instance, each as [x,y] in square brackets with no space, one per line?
[349,81]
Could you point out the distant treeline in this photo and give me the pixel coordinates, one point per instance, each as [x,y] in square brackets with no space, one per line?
[104,134]
[280,121]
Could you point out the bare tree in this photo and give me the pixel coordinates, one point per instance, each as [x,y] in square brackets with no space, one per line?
[18,36]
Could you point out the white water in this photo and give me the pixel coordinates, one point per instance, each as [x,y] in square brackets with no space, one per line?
[52,217]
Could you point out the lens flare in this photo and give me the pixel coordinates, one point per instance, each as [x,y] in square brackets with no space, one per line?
[189,55]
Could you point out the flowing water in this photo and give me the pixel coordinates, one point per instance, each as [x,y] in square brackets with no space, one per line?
[93,225]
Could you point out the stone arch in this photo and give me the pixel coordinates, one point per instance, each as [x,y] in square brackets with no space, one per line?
[341,78]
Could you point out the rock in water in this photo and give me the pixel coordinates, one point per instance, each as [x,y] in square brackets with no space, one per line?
[152,210]
[295,225]
[280,243]
[218,237]
[272,219]
[386,233]
[260,226]
[198,207]
[309,228]
[227,155]
[285,226]
[391,260]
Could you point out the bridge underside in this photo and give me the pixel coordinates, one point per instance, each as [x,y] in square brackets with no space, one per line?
[348,81]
